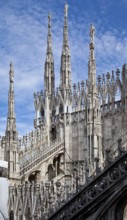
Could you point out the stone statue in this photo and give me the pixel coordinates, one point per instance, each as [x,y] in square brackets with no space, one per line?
[66,10]
[92,32]
[49,18]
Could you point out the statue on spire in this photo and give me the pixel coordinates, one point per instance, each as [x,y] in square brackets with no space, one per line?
[11,73]
[92,33]
[49,37]
[65,69]
[49,63]
[49,19]
[66,10]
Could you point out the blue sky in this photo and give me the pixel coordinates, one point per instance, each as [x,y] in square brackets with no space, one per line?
[23,36]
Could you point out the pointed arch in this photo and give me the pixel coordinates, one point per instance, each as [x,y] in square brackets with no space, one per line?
[61,110]
[11,215]
[117,92]
[125,212]
[114,205]
[51,172]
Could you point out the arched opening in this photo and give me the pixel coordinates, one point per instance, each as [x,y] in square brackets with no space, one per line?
[28,214]
[14,135]
[97,112]
[42,112]
[11,217]
[1,172]
[53,112]
[125,213]
[121,208]
[34,176]
[74,104]
[56,163]
[53,133]
[56,168]
[51,172]
[118,94]
[61,108]
[115,207]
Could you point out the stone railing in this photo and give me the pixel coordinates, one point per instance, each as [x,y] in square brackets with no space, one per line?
[63,201]
[107,107]
[45,197]
[93,186]
[37,155]
[92,190]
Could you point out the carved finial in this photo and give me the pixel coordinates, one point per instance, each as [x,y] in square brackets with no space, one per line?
[11,68]
[65,73]
[99,79]
[11,123]
[11,65]
[66,9]
[117,74]
[82,83]
[91,72]
[92,33]
[11,73]
[49,20]
[49,40]
[49,72]
[74,86]
[112,75]
[65,31]
[108,76]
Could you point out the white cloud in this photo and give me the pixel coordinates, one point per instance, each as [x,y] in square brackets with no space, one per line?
[111,51]
[23,37]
